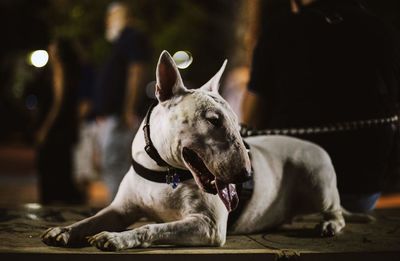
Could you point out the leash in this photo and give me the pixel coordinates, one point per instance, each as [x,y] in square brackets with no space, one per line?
[173,176]
[246,131]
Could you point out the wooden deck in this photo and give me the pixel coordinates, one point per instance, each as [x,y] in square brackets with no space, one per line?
[20,229]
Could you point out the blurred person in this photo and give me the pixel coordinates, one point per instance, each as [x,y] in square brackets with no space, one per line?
[234,88]
[246,24]
[329,72]
[85,165]
[57,134]
[119,93]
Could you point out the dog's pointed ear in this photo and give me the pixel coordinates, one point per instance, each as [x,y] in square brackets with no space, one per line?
[169,80]
[213,84]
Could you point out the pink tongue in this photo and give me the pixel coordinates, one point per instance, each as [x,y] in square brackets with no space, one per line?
[228,195]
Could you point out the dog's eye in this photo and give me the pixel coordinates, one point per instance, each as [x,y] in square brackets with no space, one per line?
[215,120]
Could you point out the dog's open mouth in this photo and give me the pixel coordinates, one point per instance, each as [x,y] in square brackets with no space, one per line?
[208,182]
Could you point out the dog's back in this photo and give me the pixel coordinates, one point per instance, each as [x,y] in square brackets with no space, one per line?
[286,172]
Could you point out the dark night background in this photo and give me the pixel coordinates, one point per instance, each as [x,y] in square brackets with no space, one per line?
[203,27]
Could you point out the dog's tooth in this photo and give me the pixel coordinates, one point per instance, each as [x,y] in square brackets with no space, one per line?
[213,182]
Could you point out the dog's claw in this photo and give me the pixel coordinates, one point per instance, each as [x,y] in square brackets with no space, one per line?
[107,241]
[58,236]
[45,232]
[327,229]
[90,240]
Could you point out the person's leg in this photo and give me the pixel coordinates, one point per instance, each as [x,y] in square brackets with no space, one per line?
[55,173]
[115,143]
[83,154]
[44,175]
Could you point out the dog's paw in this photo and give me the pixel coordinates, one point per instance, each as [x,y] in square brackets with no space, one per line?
[328,229]
[114,241]
[56,236]
[109,241]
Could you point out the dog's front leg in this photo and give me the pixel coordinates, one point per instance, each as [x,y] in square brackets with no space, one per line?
[110,218]
[194,230]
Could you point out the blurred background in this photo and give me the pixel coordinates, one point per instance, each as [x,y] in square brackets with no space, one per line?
[209,30]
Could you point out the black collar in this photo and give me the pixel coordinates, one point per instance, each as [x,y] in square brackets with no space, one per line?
[149,148]
[171,176]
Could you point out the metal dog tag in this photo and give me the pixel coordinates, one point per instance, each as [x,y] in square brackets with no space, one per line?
[172,178]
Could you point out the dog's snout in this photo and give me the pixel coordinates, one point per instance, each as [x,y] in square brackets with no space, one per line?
[244,176]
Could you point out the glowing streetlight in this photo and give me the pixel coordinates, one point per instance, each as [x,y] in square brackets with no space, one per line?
[39,58]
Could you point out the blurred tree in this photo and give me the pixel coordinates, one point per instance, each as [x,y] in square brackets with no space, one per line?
[203,28]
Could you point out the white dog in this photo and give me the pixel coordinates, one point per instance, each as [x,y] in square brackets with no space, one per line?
[196,130]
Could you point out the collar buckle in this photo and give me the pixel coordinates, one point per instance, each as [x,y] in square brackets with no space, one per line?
[172,178]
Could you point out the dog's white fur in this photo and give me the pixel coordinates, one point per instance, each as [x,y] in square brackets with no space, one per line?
[291,177]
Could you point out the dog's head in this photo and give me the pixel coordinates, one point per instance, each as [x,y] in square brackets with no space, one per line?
[203,132]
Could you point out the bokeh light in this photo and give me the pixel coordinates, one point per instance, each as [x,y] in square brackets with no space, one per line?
[32,206]
[39,58]
[183,59]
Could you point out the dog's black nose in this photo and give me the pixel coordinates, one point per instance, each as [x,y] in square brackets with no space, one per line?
[244,176]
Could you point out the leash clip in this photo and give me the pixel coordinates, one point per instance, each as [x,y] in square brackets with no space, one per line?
[172,178]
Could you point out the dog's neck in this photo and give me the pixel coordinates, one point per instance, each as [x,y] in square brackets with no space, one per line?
[158,137]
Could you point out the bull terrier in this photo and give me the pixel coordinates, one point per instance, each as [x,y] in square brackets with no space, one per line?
[191,138]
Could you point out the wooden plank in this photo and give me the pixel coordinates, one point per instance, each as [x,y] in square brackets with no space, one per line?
[20,230]
[301,237]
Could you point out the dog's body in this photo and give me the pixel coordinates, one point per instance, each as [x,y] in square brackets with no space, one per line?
[291,177]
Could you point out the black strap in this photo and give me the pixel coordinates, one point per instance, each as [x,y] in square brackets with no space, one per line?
[172,175]
[160,176]
[149,148]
